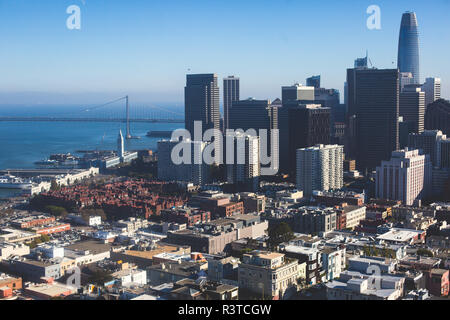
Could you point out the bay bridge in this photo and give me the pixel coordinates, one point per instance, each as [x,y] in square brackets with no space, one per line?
[118,110]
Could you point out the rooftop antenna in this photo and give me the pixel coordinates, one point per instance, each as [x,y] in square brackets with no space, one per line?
[368,59]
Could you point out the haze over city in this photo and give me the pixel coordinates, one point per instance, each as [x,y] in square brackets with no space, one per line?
[144,48]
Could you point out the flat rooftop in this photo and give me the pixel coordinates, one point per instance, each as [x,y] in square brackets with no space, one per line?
[92,246]
[400,235]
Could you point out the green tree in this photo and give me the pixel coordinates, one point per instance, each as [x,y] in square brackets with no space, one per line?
[424,252]
[56,211]
[54,186]
[279,234]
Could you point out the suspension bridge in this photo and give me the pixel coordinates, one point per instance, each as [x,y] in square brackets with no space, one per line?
[118,110]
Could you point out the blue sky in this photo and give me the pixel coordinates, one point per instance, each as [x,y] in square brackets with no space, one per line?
[145,48]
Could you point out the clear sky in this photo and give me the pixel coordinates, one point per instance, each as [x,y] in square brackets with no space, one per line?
[145,47]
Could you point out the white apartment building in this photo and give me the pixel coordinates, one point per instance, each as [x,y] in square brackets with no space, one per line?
[353,216]
[406,177]
[245,167]
[320,168]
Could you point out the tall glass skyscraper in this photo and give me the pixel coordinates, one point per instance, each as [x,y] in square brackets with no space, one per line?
[408,46]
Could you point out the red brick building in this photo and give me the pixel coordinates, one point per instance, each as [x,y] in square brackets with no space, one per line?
[438,282]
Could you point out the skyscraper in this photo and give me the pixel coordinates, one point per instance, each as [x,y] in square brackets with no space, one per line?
[304,126]
[412,107]
[231,92]
[297,92]
[320,168]
[406,177]
[257,115]
[313,81]
[428,142]
[408,46]
[432,88]
[374,100]
[201,98]
[437,116]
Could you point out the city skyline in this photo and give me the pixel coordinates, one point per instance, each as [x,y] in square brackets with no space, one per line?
[82,66]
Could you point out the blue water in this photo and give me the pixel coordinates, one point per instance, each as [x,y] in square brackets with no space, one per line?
[23,143]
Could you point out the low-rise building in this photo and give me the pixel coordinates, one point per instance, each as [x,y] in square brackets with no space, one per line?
[215,236]
[353,285]
[13,249]
[189,289]
[438,282]
[268,273]
[406,236]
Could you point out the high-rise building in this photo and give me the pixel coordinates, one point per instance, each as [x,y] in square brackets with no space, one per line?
[257,115]
[245,168]
[329,98]
[313,81]
[120,145]
[253,114]
[301,125]
[361,62]
[432,88]
[443,153]
[412,107]
[320,168]
[201,98]
[231,93]
[437,116]
[374,101]
[297,92]
[406,177]
[408,46]
[428,142]
[195,171]
[406,78]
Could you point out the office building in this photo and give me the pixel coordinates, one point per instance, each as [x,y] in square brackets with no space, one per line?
[437,116]
[412,107]
[201,98]
[432,89]
[258,115]
[429,142]
[406,79]
[231,93]
[313,81]
[406,177]
[297,92]
[320,168]
[408,46]
[301,126]
[374,103]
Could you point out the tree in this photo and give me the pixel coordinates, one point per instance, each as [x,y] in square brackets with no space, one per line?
[279,234]
[54,186]
[56,211]
[100,277]
[424,252]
